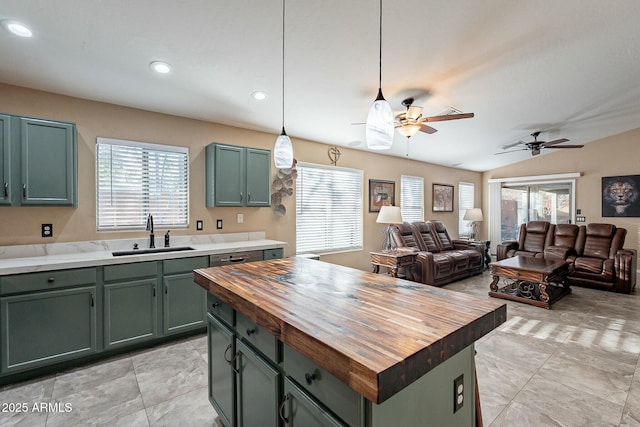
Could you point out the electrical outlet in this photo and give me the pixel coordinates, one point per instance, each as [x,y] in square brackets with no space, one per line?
[581,219]
[240,218]
[47,230]
[458,393]
[199,225]
[219,224]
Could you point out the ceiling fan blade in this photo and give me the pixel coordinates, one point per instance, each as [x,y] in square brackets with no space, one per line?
[554,142]
[449,117]
[566,146]
[504,147]
[427,129]
[512,151]
[414,112]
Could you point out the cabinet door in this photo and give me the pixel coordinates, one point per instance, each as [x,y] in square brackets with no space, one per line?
[130,312]
[301,410]
[222,384]
[258,389]
[42,328]
[184,304]
[258,177]
[48,153]
[227,186]
[5,159]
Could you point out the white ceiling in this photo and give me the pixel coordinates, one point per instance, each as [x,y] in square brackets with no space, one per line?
[569,68]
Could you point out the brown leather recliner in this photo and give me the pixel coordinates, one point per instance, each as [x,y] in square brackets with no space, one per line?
[563,242]
[600,261]
[533,237]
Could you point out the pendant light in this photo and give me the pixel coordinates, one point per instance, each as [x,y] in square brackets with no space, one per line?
[283,150]
[379,131]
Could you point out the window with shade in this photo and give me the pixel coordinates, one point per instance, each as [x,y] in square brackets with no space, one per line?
[466,199]
[329,207]
[412,198]
[135,179]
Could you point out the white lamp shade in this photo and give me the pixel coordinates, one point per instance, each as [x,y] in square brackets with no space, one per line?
[283,152]
[390,215]
[379,131]
[473,214]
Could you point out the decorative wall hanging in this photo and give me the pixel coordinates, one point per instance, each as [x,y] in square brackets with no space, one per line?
[282,187]
[621,196]
[334,155]
[381,193]
[442,198]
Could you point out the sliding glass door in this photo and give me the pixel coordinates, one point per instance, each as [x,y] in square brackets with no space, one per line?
[520,203]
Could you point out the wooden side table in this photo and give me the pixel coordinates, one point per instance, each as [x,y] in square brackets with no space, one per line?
[393,261]
[484,244]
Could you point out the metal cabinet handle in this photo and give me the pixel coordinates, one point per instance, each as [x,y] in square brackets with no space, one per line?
[251,331]
[24,190]
[6,189]
[281,409]
[249,198]
[225,354]
[215,305]
[241,197]
[92,301]
[310,377]
[51,280]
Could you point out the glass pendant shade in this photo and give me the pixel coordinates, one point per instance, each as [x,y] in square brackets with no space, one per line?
[409,130]
[283,151]
[379,131]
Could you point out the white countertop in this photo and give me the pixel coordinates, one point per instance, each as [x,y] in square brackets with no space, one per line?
[58,256]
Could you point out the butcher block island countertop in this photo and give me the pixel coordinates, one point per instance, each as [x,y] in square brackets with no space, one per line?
[376,333]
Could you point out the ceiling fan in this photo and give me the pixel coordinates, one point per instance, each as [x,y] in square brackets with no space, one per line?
[536,145]
[411,121]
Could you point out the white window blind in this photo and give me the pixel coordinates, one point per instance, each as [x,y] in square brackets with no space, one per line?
[135,179]
[466,199]
[328,209]
[412,198]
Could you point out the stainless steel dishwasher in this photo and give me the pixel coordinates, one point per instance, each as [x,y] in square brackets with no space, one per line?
[234,258]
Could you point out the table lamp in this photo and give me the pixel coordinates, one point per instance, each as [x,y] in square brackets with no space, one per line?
[389,215]
[475,216]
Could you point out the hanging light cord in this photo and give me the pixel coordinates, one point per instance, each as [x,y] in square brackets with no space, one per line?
[283,4]
[380,54]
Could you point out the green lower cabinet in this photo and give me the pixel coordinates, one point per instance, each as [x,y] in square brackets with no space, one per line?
[130,312]
[258,389]
[42,328]
[184,303]
[301,410]
[222,384]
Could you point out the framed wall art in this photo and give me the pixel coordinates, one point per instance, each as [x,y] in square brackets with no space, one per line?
[442,198]
[381,193]
[621,196]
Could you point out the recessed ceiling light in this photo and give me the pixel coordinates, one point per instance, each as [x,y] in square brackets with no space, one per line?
[259,95]
[160,67]
[17,28]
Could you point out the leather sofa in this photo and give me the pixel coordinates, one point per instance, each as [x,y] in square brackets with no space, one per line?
[595,251]
[440,259]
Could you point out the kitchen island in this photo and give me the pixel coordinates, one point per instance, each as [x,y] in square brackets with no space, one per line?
[388,350]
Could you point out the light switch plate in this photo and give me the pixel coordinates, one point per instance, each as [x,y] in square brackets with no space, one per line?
[219,224]
[240,218]
[199,225]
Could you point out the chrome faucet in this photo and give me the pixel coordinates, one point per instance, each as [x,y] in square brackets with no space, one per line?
[152,239]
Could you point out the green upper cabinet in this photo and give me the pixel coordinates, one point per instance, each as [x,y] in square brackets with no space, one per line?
[48,162]
[237,176]
[5,159]
[38,162]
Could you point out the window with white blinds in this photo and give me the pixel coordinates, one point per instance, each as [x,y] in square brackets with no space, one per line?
[412,198]
[328,209]
[466,199]
[135,179]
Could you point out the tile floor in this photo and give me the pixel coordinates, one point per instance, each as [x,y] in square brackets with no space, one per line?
[574,365]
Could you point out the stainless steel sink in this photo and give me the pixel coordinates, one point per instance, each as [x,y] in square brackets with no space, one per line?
[151,251]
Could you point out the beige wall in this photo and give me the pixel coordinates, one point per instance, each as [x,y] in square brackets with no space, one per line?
[21,225]
[612,156]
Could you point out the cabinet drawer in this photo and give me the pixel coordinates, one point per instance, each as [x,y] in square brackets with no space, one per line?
[130,271]
[330,391]
[259,338]
[275,253]
[184,265]
[221,310]
[46,280]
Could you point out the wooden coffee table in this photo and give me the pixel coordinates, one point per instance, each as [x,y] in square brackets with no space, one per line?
[535,281]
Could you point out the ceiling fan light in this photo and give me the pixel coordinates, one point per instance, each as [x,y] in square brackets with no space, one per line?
[283,151]
[408,130]
[379,129]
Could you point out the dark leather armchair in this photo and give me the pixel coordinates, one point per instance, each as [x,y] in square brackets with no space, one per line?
[533,237]
[600,261]
[563,242]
